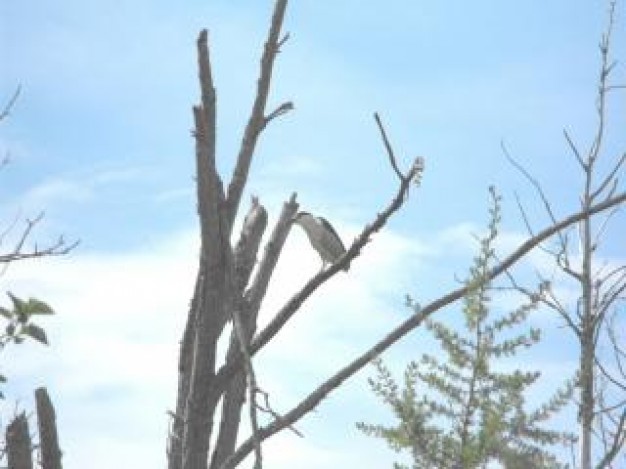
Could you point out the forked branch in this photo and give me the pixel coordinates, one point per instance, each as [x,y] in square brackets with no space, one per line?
[58,248]
[313,399]
[290,308]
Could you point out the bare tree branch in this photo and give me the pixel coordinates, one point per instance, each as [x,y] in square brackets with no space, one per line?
[534,182]
[294,303]
[7,109]
[392,157]
[245,323]
[253,297]
[609,178]
[575,150]
[257,120]
[59,248]
[268,409]
[279,111]
[226,372]
[619,437]
[215,300]
[243,340]
[314,398]
[608,375]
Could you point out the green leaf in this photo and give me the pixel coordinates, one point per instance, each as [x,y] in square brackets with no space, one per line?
[18,305]
[20,308]
[6,313]
[36,332]
[3,379]
[35,306]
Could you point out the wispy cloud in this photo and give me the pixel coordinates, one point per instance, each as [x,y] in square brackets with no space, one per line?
[81,187]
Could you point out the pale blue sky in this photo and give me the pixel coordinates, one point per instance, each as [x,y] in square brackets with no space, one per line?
[100,139]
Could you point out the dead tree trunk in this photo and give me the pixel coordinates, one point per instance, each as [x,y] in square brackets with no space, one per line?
[19,446]
[18,443]
[226,291]
[222,274]
[224,287]
[48,438]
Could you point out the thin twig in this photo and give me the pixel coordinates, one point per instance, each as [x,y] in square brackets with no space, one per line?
[9,228]
[282,42]
[267,408]
[575,151]
[58,248]
[534,183]
[609,177]
[608,375]
[392,158]
[615,87]
[279,111]
[7,109]
[603,226]
[618,442]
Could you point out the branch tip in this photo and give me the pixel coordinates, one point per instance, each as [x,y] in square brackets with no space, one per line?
[390,154]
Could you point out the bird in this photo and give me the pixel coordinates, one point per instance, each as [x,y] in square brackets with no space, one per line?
[322,237]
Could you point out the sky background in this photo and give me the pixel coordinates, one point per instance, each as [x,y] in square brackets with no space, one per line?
[100,139]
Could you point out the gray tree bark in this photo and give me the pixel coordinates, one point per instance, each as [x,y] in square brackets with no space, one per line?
[48,437]
[222,273]
[18,443]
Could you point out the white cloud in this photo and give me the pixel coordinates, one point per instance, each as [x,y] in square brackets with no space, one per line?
[111,366]
[114,340]
[113,345]
[79,187]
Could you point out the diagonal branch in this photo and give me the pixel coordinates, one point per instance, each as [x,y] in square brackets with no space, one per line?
[257,120]
[288,310]
[610,177]
[619,437]
[313,399]
[575,151]
[7,109]
[392,157]
[535,184]
[294,303]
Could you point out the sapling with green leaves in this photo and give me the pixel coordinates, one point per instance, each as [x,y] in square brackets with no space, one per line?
[19,324]
[459,409]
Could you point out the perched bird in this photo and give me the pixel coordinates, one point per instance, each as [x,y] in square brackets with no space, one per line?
[322,236]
